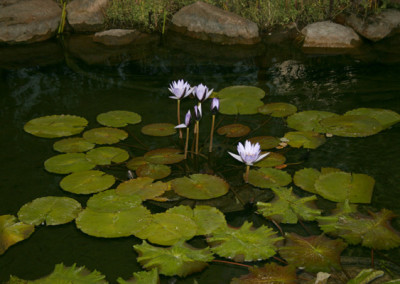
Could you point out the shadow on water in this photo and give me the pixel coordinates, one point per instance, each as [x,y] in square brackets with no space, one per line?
[83,78]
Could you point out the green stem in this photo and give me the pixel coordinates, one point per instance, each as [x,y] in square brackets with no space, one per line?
[246,175]
[187,142]
[212,133]
[197,137]
[179,117]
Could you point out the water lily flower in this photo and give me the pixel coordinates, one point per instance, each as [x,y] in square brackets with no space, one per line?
[202,93]
[188,120]
[214,106]
[180,89]
[197,112]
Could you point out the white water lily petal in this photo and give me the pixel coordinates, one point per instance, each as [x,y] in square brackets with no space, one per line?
[249,153]
[182,125]
[237,157]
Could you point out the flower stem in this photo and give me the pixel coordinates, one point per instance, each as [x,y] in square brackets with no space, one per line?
[212,133]
[179,117]
[246,175]
[187,141]
[197,137]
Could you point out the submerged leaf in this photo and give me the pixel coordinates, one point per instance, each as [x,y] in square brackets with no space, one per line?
[180,259]
[68,163]
[385,117]
[234,130]
[164,156]
[73,145]
[55,126]
[159,129]
[118,118]
[271,273]
[268,178]
[87,182]
[351,125]
[277,109]
[105,135]
[12,231]
[107,155]
[309,120]
[305,139]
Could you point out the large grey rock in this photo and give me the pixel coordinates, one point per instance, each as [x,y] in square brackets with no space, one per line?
[378,26]
[117,37]
[26,21]
[329,35]
[207,22]
[86,15]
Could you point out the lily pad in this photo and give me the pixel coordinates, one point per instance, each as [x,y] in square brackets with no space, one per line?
[142,186]
[272,160]
[159,129]
[341,186]
[268,178]
[305,139]
[109,201]
[107,155]
[105,135]
[113,224]
[245,243]
[153,171]
[180,259]
[164,156]
[55,126]
[200,186]
[118,118]
[239,105]
[87,182]
[351,125]
[135,163]
[277,109]
[142,277]
[241,91]
[73,145]
[309,120]
[266,142]
[306,178]
[234,130]
[52,210]
[270,273]
[68,163]
[12,231]
[385,117]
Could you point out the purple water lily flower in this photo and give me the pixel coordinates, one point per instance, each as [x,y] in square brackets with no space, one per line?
[188,120]
[180,89]
[214,106]
[197,112]
[249,153]
[202,93]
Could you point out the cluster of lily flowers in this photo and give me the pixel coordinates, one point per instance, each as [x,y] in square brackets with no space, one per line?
[248,153]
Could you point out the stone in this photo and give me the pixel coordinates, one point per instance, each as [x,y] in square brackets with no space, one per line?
[329,35]
[27,21]
[377,26]
[86,15]
[116,37]
[207,22]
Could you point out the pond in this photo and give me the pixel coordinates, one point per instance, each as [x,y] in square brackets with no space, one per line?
[56,78]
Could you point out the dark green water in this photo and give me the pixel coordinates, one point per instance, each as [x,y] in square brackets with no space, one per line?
[46,79]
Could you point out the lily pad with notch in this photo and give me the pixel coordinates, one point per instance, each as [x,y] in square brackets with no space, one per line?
[107,155]
[266,142]
[142,186]
[240,100]
[234,130]
[351,125]
[105,135]
[306,178]
[305,139]
[277,109]
[55,126]
[109,201]
[73,145]
[309,120]
[118,118]
[68,163]
[87,182]
[164,156]
[154,171]
[269,177]
[159,129]
[385,117]
[12,231]
[272,160]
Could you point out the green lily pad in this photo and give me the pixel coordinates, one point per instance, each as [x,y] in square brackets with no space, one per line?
[306,178]
[309,120]
[142,186]
[241,91]
[159,129]
[270,273]
[277,109]
[234,130]
[142,277]
[305,139]
[339,186]
[87,182]
[351,125]
[55,126]
[181,259]
[135,163]
[272,160]
[118,118]
[314,253]
[268,178]
[12,231]
[385,117]
[239,105]
[105,135]
[168,228]
[200,186]
[52,210]
[110,202]
[266,142]
[153,171]
[245,243]
[164,156]
[68,163]
[113,224]
[107,155]
[73,145]
[286,207]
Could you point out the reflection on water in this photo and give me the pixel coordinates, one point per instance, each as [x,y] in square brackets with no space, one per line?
[88,82]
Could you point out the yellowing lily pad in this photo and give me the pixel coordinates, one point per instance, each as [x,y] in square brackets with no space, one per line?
[305,139]
[12,231]
[385,117]
[105,135]
[52,210]
[234,130]
[351,125]
[277,109]
[68,163]
[164,156]
[159,129]
[270,273]
[200,186]
[153,170]
[309,120]
[269,177]
[55,126]
[306,178]
[107,155]
[109,201]
[272,160]
[266,142]
[135,163]
[73,145]
[142,186]
[118,118]
[87,182]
